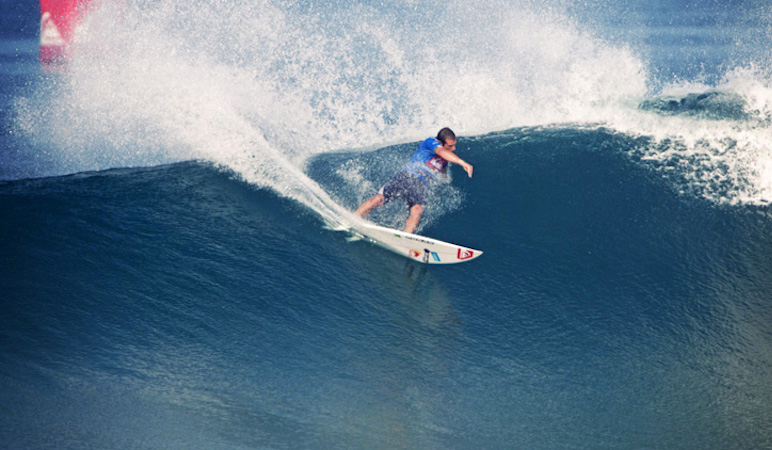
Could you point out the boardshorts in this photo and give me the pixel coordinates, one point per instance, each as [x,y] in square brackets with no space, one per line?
[407,187]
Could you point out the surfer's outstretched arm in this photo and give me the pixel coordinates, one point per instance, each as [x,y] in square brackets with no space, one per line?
[449,156]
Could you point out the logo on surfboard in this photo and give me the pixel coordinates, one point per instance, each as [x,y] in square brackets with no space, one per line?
[465,254]
[427,254]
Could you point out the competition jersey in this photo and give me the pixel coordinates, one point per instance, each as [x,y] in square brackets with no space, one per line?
[425,164]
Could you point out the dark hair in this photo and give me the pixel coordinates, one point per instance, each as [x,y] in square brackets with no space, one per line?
[445,134]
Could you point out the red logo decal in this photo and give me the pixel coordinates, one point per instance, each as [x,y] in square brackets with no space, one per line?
[414,253]
[436,163]
[465,254]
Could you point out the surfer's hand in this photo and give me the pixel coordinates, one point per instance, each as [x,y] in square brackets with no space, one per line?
[468,167]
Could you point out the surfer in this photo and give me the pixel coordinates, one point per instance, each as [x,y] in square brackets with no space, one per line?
[430,159]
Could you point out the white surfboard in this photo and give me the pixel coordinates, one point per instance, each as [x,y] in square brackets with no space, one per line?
[418,248]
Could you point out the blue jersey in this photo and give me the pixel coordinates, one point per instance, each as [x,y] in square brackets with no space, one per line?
[425,163]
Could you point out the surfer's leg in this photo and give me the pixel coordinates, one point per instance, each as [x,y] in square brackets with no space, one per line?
[365,208]
[415,217]
[385,194]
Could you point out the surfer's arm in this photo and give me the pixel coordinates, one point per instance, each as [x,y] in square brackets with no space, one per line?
[449,156]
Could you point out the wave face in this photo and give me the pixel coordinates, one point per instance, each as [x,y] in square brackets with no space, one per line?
[176,306]
[168,277]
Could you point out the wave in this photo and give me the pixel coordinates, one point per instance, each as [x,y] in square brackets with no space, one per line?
[193,303]
[261,88]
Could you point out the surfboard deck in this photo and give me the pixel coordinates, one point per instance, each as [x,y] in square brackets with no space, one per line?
[413,246]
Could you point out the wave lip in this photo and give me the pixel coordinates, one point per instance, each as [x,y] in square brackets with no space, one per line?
[715,105]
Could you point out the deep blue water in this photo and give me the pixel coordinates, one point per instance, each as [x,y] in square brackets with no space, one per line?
[169,278]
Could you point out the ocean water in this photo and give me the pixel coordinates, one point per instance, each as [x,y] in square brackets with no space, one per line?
[171,277]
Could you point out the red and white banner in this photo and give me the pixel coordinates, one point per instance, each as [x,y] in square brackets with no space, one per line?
[58,20]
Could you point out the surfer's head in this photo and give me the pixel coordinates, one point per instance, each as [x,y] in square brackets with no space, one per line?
[447,137]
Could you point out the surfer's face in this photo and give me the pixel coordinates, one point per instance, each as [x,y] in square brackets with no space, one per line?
[450,145]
